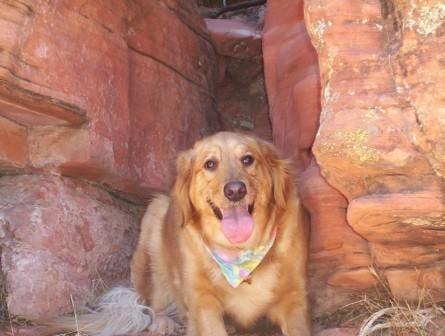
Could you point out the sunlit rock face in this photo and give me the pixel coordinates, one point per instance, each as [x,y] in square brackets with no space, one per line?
[106,90]
[378,146]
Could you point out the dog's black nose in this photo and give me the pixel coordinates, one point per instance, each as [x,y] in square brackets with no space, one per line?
[235,190]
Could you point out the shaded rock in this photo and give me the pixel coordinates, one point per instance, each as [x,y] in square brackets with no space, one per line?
[241,96]
[235,39]
[61,238]
[157,136]
[353,279]
[188,12]
[339,258]
[292,80]
[159,33]
[244,107]
[417,283]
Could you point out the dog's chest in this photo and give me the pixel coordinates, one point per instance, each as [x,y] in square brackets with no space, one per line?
[253,297]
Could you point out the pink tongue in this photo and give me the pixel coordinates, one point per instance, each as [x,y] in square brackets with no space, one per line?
[237,224]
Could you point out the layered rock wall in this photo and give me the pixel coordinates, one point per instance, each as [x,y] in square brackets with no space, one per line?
[104,93]
[379,141]
[339,257]
[380,202]
[87,79]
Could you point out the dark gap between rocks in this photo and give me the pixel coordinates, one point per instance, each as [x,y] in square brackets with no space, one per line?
[241,97]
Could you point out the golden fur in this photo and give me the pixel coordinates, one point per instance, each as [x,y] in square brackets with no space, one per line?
[171,264]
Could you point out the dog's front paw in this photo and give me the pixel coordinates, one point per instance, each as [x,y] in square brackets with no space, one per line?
[166,326]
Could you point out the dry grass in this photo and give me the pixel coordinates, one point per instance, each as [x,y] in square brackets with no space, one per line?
[7,321]
[4,315]
[12,322]
[99,285]
[377,314]
[75,315]
[388,315]
[380,313]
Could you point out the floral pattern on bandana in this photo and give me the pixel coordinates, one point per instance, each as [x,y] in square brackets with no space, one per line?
[237,268]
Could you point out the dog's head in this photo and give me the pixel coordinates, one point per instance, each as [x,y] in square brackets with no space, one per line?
[229,185]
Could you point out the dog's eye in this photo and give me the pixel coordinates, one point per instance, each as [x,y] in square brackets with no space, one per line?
[247,160]
[211,164]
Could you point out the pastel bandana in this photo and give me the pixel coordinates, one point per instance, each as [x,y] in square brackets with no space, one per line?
[237,268]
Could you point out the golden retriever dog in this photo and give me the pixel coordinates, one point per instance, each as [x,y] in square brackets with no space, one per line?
[230,240]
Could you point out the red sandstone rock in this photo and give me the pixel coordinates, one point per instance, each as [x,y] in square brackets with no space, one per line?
[418,41]
[51,146]
[353,279]
[13,145]
[379,142]
[157,136]
[292,79]
[189,13]
[406,255]
[159,34]
[235,39]
[360,84]
[379,137]
[403,218]
[107,91]
[417,283]
[406,233]
[59,238]
[71,68]
[339,257]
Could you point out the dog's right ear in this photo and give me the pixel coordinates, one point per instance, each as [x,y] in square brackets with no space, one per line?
[281,173]
[181,189]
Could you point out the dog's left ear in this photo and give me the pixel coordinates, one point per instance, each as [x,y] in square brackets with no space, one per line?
[281,172]
[182,184]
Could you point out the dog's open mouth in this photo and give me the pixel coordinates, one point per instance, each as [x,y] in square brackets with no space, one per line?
[236,221]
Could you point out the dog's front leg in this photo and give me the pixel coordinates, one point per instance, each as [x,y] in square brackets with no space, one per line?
[205,317]
[291,315]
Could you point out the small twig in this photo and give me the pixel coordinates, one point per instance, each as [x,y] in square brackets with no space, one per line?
[10,324]
[234,7]
[419,318]
[75,315]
